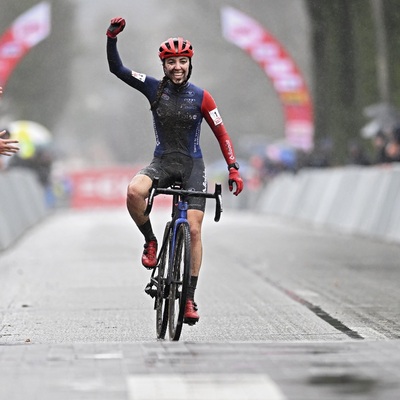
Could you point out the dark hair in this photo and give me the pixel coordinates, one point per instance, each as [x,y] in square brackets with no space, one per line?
[160,89]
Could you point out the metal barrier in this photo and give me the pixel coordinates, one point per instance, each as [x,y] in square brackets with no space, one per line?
[355,200]
[22,204]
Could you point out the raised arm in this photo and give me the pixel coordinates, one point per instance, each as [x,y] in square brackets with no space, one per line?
[145,84]
[115,64]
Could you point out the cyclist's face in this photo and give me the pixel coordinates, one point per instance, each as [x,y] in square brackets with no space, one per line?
[177,69]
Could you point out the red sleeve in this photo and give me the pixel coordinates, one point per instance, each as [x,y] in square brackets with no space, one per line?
[210,113]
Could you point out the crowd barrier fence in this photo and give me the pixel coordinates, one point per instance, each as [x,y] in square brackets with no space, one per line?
[353,199]
[22,204]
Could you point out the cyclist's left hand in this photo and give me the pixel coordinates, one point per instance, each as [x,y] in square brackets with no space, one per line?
[234,178]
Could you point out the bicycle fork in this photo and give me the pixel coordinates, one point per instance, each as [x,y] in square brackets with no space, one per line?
[182,218]
[152,286]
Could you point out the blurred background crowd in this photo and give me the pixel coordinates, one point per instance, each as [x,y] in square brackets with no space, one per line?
[69,113]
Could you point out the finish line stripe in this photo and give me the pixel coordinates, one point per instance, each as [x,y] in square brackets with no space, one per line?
[203,387]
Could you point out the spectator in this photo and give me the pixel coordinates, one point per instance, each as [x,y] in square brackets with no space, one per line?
[356,154]
[379,144]
[392,149]
[7,145]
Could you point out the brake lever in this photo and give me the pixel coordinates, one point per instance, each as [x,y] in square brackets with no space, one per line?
[152,193]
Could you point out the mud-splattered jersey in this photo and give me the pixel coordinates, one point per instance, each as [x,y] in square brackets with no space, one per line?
[180,112]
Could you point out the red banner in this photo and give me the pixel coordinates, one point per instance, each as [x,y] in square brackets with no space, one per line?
[288,82]
[100,187]
[26,31]
[105,187]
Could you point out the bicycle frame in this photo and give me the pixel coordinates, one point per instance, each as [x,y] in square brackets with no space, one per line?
[170,284]
[181,206]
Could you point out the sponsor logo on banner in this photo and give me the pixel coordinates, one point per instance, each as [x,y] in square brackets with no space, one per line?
[100,187]
[105,187]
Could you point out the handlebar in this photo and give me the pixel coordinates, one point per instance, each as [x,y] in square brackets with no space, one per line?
[155,190]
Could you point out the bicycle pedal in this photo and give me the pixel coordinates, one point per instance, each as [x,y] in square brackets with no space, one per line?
[190,321]
[150,290]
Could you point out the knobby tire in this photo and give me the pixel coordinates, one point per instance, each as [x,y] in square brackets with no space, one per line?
[180,281]
[162,301]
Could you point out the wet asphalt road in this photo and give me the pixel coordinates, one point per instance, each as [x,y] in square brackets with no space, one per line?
[287,312]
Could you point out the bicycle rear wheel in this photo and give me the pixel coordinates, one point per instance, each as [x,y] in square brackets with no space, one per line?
[161,301]
[180,281]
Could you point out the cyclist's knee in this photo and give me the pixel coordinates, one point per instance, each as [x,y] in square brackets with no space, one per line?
[195,218]
[133,194]
[138,188]
[195,232]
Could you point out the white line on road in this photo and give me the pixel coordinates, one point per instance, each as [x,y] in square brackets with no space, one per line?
[203,387]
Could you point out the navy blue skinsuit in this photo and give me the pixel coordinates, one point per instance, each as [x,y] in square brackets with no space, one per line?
[178,117]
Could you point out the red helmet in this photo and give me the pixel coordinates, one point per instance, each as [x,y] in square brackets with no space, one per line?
[175,47]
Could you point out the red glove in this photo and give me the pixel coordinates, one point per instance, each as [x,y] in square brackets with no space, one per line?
[234,177]
[117,25]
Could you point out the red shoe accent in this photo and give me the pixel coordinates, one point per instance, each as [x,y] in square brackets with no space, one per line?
[191,315]
[149,257]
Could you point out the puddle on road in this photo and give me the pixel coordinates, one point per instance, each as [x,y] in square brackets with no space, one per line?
[345,382]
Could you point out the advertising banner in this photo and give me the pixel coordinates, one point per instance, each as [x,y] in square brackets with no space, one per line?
[105,187]
[100,187]
[25,32]
[265,49]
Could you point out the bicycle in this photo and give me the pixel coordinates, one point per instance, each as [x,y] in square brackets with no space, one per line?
[170,278]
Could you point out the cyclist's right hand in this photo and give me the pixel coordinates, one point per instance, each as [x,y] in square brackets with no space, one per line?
[117,25]
[235,178]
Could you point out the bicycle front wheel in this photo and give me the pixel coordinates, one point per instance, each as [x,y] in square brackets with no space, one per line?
[161,300]
[180,281]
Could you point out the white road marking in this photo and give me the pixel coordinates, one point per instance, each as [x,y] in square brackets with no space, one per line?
[203,387]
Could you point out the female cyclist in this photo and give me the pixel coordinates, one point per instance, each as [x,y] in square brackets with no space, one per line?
[178,108]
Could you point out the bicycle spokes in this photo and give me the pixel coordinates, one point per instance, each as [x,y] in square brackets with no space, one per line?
[180,281]
[161,303]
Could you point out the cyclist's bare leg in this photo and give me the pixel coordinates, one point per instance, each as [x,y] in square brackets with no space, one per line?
[138,191]
[195,218]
